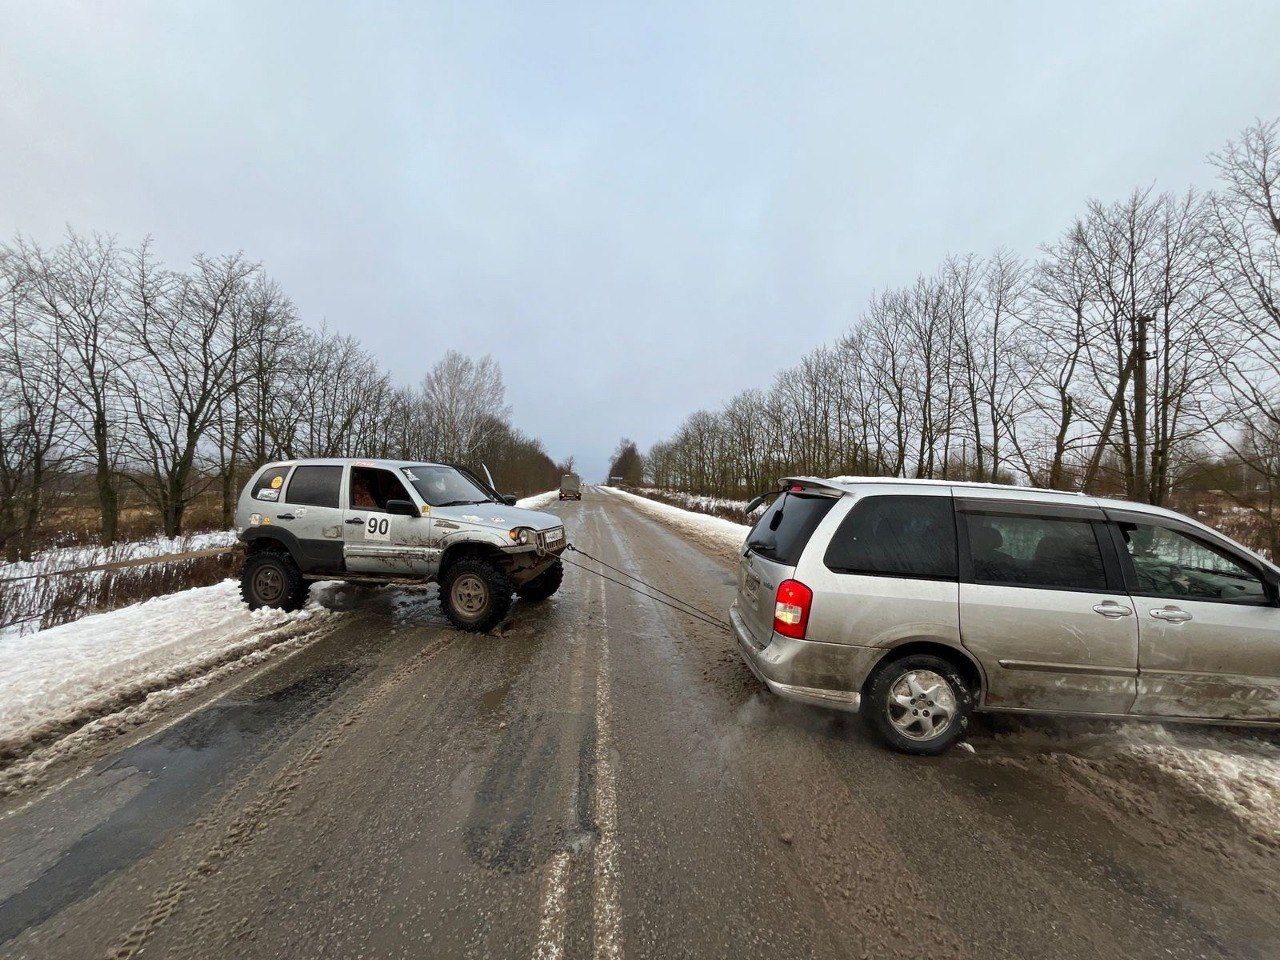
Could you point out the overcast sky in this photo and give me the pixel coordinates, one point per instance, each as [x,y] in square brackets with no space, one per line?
[639,209]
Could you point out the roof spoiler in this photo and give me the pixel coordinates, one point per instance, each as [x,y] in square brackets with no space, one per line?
[796,485]
[812,485]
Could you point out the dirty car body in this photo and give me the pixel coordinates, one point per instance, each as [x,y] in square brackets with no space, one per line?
[391,521]
[916,602]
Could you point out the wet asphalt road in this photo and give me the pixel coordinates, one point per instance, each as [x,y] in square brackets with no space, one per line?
[600,778]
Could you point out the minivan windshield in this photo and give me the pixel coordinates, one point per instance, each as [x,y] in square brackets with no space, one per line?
[785,528]
[441,486]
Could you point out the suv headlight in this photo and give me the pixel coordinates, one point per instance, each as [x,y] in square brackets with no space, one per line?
[521,535]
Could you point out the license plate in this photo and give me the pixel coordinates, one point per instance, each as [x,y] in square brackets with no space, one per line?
[751,585]
[555,536]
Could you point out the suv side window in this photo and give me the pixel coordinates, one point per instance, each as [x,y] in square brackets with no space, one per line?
[783,532]
[371,488]
[1028,551]
[268,484]
[896,536]
[1174,566]
[315,486]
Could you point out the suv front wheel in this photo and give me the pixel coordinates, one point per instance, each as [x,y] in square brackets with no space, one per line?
[475,594]
[917,704]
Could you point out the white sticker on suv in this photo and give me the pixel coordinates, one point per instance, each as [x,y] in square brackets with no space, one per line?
[377,527]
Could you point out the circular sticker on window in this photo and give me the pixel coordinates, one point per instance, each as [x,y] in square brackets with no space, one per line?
[276,482]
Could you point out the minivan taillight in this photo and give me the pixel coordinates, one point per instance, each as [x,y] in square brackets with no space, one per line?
[791,609]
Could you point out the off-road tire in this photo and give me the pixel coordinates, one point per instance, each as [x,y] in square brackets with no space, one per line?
[469,575]
[543,585]
[879,715]
[270,578]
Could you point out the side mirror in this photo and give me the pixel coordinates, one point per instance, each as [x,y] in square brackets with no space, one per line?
[1272,583]
[509,499]
[402,508]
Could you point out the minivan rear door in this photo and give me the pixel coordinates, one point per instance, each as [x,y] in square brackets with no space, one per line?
[770,555]
[1044,608]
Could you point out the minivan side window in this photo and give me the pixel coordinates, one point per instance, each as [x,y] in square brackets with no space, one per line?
[1027,551]
[896,536]
[268,484]
[1174,566]
[784,531]
[315,486]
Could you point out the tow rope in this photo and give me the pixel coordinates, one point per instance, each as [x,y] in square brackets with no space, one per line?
[664,598]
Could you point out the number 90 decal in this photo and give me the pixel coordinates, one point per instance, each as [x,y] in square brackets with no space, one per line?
[377,528]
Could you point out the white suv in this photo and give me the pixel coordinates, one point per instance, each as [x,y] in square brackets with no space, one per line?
[917,602]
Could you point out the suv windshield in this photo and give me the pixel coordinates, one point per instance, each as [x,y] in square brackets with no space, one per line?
[785,528]
[442,486]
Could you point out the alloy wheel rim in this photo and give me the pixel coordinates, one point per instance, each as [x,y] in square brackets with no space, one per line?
[921,705]
[470,595]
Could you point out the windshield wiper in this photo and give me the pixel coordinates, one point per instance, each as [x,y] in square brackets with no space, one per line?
[461,503]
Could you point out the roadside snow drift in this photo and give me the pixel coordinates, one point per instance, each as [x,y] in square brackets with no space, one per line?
[723,536]
[53,681]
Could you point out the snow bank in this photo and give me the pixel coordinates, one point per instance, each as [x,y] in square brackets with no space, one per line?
[54,680]
[538,500]
[723,536]
[698,502]
[88,555]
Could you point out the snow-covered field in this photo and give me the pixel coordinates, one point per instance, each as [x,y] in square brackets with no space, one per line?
[538,500]
[31,595]
[1132,764]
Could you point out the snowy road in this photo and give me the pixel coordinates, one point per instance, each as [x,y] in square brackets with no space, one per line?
[604,778]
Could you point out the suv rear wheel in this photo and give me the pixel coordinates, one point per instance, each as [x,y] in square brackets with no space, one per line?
[270,578]
[475,594]
[917,704]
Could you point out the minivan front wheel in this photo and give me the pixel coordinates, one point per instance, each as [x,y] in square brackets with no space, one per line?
[917,704]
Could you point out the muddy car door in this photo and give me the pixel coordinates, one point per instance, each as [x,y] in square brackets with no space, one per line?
[377,538]
[1044,608]
[1209,643]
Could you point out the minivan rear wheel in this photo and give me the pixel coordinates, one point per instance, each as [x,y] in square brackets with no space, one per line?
[917,704]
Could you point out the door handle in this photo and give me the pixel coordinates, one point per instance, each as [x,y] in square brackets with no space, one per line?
[355,520]
[1171,614]
[285,516]
[1112,610]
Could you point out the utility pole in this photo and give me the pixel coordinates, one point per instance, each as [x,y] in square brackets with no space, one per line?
[1136,367]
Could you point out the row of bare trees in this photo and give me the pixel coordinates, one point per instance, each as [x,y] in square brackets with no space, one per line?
[144,381]
[1136,355]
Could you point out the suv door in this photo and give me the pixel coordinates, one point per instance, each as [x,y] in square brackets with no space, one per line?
[380,542]
[309,510]
[1209,626]
[1044,608]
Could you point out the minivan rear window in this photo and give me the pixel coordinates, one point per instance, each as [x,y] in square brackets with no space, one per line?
[783,532]
[896,536]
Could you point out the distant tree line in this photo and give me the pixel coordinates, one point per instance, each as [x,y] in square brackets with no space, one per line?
[1137,354]
[137,379]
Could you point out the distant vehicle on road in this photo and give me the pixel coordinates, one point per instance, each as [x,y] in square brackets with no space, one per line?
[570,487]
[917,602]
[387,521]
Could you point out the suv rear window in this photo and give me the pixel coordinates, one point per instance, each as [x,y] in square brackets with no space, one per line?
[267,486]
[785,529]
[315,486]
[896,536]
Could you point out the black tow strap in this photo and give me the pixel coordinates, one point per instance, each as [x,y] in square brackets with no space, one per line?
[675,603]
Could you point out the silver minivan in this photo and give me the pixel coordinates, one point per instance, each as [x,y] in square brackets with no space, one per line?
[917,602]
